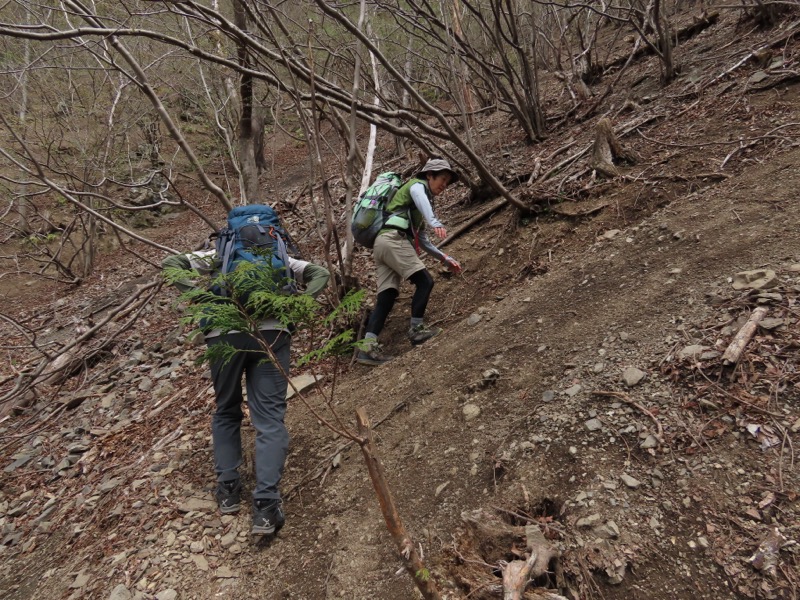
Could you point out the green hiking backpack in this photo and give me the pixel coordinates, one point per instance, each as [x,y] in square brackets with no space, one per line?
[369,213]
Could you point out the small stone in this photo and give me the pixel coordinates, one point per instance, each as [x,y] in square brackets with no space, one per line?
[471,411]
[649,442]
[691,351]
[548,396]
[607,531]
[704,403]
[632,376]
[120,593]
[758,279]
[235,548]
[593,424]
[489,376]
[770,297]
[589,521]
[200,561]
[598,367]
[198,505]
[770,323]
[302,383]
[631,482]
[169,594]
[610,234]
[80,581]
[573,390]
[110,484]
[441,488]
[224,572]
[474,319]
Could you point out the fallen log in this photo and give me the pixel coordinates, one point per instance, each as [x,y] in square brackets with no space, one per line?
[734,351]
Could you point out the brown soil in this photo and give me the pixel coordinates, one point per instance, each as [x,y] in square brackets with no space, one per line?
[566,305]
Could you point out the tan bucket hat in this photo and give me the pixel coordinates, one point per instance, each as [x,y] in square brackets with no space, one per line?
[435,165]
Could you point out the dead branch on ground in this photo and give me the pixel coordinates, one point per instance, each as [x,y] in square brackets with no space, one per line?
[405,546]
[734,350]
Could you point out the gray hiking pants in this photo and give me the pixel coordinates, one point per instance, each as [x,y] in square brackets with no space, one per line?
[266,400]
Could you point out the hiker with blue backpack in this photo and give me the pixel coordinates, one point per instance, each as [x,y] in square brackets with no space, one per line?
[396,252]
[253,235]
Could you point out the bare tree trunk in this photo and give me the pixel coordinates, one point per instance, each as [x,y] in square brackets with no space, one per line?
[24,206]
[247,135]
[405,99]
[664,43]
[350,177]
[466,91]
[531,74]
[90,247]
[405,546]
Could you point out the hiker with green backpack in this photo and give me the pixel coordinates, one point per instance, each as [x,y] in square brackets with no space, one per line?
[396,252]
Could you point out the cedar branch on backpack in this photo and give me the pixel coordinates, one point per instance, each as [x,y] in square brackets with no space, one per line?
[253,236]
[401,235]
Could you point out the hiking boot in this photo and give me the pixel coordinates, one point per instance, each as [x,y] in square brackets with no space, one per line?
[268,517]
[229,496]
[372,355]
[422,333]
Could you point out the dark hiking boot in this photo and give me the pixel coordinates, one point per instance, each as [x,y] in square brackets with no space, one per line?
[372,355]
[229,496]
[268,517]
[422,333]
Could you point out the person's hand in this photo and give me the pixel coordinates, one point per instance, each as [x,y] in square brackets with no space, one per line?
[440,232]
[452,264]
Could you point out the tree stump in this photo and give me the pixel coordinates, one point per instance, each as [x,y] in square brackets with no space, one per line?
[607,149]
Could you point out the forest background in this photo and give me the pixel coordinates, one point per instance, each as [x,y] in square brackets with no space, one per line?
[595,142]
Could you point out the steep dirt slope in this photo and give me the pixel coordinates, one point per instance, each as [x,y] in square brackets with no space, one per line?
[615,304]
[663,486]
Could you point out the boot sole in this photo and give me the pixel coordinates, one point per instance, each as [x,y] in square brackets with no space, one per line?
[271,530]
[420,342]
[226,510]
[262,530]
[370,362]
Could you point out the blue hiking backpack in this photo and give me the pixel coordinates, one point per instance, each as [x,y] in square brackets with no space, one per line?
[369,213]
[254,234]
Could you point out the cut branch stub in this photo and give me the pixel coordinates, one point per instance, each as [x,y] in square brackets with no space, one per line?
[405,546]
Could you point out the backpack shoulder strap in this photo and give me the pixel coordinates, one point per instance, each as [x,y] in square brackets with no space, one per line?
[226,241]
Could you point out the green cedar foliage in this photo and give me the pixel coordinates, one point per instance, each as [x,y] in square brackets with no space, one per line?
[253,297]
